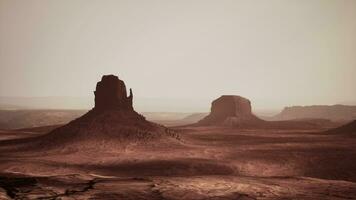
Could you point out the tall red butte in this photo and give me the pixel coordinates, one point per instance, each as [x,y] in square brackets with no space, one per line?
[112,120]
[110,94]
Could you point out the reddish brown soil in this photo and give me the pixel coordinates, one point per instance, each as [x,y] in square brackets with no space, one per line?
[208,163]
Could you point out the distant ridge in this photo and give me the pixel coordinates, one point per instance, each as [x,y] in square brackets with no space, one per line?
[18,119]
[235,111]
[334,112]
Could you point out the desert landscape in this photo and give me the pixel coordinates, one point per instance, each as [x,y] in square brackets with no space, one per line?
[177,100]
[112,152]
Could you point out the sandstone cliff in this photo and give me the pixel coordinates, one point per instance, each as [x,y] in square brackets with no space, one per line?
[112,120]
[230,110]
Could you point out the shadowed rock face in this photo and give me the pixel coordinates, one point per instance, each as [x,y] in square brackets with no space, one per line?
[111,94]
[235,111]
[349,128]
[231,106]
[112,118]
[230,110]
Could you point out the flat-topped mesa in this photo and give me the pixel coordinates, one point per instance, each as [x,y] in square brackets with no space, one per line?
[230,110]
[110,94]
[231,106]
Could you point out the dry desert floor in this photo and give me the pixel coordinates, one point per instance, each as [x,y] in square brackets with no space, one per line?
[207,163]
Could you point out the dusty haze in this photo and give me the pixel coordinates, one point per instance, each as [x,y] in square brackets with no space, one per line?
[277,52]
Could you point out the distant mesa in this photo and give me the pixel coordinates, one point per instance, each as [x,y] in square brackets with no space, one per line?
[335,113]
[236,111]
[230,110]
[113,119]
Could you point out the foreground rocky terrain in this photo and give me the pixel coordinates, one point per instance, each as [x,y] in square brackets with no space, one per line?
[211,163]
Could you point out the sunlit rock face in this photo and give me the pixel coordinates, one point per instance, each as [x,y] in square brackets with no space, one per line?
[230,110]
[110,94]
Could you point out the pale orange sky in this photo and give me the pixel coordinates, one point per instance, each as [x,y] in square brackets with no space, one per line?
[275,52]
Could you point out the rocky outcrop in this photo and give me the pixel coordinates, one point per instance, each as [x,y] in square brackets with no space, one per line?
[230,110]
[110,94]
[235,111]
[112,120]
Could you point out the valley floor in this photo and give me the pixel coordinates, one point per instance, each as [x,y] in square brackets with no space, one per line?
[208,163]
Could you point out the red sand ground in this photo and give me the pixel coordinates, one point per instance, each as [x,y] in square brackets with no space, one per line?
[208,163]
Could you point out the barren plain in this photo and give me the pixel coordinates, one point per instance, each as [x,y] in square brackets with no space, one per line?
[206,163]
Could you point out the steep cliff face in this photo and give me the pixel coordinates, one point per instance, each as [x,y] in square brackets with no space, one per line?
[229,106]
[230,110]
[235,111]
[110,94]
[112,120]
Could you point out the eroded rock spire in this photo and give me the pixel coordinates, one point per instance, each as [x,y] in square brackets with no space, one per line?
[110,94]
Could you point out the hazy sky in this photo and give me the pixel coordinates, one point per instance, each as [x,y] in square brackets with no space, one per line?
[274,52]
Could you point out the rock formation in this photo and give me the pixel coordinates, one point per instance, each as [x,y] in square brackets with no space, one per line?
[235,111]
[112,119]
[110,94]
[230,110]
[342,113]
